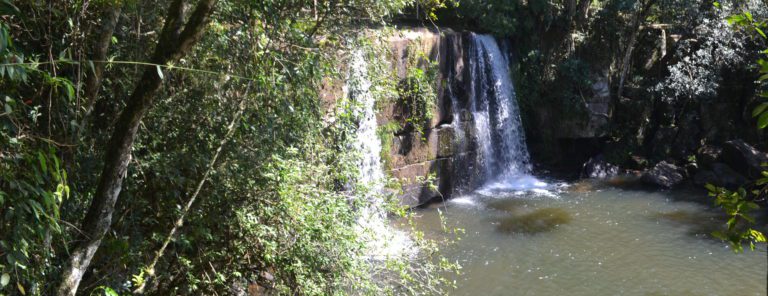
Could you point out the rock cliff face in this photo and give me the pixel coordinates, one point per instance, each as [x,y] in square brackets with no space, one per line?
[453,151]
[424,161]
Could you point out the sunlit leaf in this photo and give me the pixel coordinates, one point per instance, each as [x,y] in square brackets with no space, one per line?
[759,109]
[21,288]
[759,31]
[159,72]
[762,122]
[43,165]
[5,279]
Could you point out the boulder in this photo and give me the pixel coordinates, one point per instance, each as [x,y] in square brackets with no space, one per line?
[727,176]
[744,158]
[708,155]
[721,175]
[417,189]
[598,168]
[663,174]
[637,162]
[705,177]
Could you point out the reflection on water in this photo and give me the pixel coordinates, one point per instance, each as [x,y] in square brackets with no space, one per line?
[592,239]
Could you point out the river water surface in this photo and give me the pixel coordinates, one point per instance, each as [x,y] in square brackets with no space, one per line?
[591,239]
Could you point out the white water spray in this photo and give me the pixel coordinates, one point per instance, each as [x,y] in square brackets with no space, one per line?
[382,241]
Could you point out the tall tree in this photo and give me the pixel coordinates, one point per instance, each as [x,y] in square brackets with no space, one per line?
[176,40]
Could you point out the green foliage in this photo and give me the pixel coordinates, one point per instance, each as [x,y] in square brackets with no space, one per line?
[430,7]
[417,93]
[386,135]
[738,207]
[277,211]
[738,204]
[501,17]
[33,177]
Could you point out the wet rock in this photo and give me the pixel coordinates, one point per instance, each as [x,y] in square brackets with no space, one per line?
[720,175]
[663,141]
[727,176]
[744,158]
[445,138]
[637,162]
[708,155]
[582,187]
[690,169]
[598,168]
[542,220]
[465,116]
[705,177]
[417,189]
[664,175]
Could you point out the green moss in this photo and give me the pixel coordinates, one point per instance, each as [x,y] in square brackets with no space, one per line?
[386,135]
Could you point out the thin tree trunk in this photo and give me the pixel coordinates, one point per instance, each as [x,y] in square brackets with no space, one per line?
[99,52]
[173,44]
[637,21]
[575,14]
[151,274]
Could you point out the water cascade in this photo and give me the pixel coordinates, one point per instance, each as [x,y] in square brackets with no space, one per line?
[501,156]
[382,240]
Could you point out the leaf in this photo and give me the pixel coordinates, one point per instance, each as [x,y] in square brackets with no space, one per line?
[5,279]
[757,236]
[759,31]
[3,39]
[43,165]
[159,72]
[720,235]
[7,8]
[21,288]
[762,122]
[735,19]
[110,292]
[759,109]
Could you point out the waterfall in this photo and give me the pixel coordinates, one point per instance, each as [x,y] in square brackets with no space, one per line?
[501,155]
[381,239]
[367,142]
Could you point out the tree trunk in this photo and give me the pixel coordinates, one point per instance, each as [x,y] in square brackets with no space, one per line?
[637,22]
[555,38]
[173,44]
[99,52]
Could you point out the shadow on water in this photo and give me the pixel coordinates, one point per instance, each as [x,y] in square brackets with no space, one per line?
[538,221]
[699,224]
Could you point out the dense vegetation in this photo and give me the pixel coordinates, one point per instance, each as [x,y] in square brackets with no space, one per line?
[179,147]
[188,147]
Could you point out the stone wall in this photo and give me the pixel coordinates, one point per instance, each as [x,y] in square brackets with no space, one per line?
[414,156]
